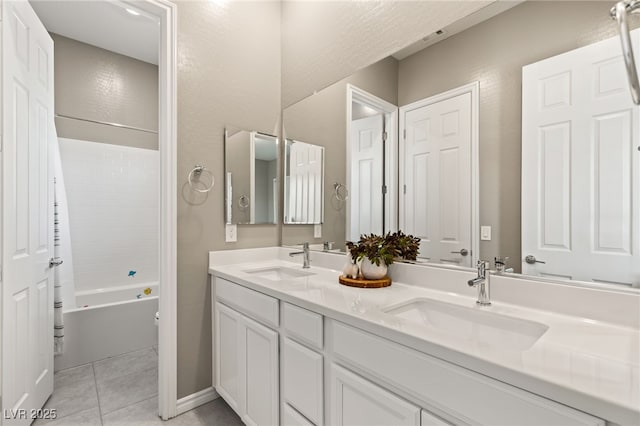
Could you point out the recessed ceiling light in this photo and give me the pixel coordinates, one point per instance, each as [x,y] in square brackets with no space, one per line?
[133,12]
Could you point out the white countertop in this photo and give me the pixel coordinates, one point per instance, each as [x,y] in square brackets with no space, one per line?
[591,365]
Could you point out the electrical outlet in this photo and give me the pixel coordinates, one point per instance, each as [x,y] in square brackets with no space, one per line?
[317,231]
[485,233]
[231,233]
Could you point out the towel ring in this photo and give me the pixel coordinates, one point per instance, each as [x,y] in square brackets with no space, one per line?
[340,192]
[197,172]
[244,202]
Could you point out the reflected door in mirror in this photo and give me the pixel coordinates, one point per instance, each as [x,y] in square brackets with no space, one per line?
[436,177]
[580,167]
[304,182]
[367,177]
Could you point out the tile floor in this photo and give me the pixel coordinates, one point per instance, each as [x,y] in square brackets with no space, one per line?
[123,391]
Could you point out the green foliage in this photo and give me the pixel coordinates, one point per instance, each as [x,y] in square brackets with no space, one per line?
[385,248]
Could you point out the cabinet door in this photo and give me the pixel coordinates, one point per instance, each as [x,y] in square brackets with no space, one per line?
[228,326]
[356,401]
[302,377]
[260,374]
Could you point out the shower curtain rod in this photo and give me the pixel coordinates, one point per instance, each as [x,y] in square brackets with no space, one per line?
[619,12]
[106,123]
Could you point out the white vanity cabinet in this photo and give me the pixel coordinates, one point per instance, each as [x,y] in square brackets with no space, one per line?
[246,353]
[279,363]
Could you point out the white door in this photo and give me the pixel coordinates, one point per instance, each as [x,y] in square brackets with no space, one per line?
[356,401]
[27,222]
[581,167]
[435,178]
[367,177]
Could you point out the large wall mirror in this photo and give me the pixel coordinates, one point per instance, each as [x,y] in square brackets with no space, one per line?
[530,181]
[251,177]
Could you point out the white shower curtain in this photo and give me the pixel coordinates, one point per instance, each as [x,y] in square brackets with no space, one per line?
[64,286]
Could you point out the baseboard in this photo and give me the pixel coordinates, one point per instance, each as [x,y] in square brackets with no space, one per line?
[197,399]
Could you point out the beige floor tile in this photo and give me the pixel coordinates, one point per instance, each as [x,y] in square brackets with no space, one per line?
[74,396]
[124,365]
[72,375]
[122,391]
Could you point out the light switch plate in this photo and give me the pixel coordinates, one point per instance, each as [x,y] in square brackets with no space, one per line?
[231,233]
[317,231]
[485,233]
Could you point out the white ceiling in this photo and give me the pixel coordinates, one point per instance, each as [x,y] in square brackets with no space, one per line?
[105,24]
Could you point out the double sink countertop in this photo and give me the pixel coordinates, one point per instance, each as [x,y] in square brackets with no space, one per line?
[588,364]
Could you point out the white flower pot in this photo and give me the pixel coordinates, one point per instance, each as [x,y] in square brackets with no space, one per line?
[372,272]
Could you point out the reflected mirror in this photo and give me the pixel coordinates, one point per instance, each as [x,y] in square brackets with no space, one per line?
[303,183]
[552,183]
[251,177]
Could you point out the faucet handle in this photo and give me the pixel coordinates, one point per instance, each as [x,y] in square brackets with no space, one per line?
[304,245]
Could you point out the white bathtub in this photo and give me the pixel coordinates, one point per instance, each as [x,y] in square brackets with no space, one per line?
[109,322]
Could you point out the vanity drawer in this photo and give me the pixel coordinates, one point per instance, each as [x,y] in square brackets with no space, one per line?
[469,396]
[303,325]
[252,303]
[303,380]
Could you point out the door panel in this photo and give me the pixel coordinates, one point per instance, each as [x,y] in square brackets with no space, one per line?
[27,223]
[580,167]
[436,173]
[227,355]
[367,178]
[261,385]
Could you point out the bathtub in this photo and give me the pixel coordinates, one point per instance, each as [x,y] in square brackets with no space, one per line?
[109,322]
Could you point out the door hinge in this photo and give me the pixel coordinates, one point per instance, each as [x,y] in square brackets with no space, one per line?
[384,189]
[404,189]
[404,134]
[384,136]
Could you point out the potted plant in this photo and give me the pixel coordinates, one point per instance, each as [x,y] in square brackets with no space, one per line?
[377,252]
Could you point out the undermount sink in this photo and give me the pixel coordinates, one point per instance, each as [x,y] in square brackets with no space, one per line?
[483,328]
[279,273]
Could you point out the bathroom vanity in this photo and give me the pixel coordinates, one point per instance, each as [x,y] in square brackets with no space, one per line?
[294,347]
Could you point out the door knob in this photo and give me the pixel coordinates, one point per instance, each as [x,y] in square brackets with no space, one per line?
[55,261]
[531,260]
[462,252]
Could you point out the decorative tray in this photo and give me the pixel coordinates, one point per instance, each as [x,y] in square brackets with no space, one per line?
[362,283]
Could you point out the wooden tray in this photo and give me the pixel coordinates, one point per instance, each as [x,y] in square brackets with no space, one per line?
[362,283]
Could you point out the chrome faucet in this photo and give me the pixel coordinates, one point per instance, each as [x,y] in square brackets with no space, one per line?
[482,282]
[500,263]
[304,253]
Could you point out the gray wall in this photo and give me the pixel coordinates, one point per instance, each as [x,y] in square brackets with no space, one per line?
[228,73]
[95,84]
[321,120]
[324,41]
[494,53]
